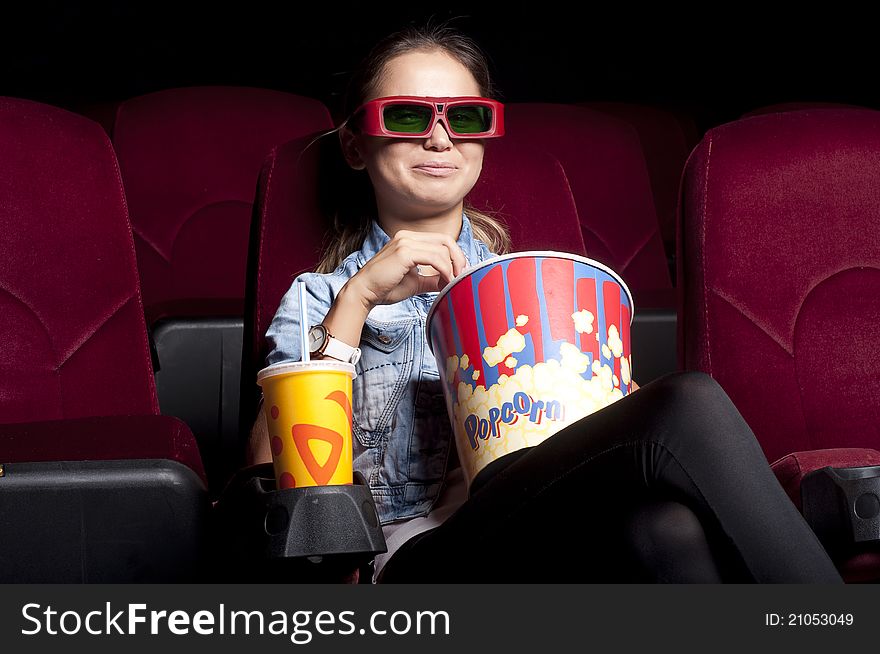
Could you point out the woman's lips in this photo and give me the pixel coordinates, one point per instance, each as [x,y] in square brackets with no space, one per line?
[436,169]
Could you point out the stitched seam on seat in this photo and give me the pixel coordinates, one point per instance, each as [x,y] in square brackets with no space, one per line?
[703,254]
[732,302]
[37,316]
[587,229]
[94,331]
[168,257]
[145,344]
[577,215]
[809,433]
[638,250]
[195,212]
[137,232]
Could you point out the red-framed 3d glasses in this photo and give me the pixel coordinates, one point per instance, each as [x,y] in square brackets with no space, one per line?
[406,116]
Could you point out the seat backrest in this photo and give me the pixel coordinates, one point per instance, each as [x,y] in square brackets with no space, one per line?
[287,234]
[74,343]
[606,170]
[528,190]
[190,158]
[780,261]
[667,137]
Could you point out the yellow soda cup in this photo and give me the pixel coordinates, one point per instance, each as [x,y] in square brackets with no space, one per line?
[308,414]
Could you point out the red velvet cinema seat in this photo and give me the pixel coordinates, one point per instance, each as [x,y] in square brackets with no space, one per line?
[95,486]
[190,158]
[606,170]
[781,286]
[667,137]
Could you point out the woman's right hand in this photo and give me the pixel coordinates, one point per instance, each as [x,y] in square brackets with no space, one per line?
[393,275]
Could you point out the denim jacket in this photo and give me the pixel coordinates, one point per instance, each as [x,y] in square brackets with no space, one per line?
[402,435]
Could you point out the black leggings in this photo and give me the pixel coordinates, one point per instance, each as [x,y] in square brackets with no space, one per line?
[667,484]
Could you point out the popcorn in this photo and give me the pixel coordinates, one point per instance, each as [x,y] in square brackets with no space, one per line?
[573,359]
[583,322]
[614,342]
[521,320]
[625,370]
[451,366]
[465,362]
[510,362]
[606,352]
[525,408]
[476,375]
[509,343]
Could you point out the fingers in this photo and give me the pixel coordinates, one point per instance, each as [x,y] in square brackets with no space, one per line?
[411,263]
[436,258]
[426,271]
[456,257]
[427,283]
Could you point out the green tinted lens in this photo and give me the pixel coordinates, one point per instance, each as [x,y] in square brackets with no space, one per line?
[466,119]
[406,118]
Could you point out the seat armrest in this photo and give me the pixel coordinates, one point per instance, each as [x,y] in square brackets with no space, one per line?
[101,439]
[792,468]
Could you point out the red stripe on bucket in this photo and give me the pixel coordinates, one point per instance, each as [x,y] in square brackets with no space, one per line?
[611,295]
[558,281]
[586,299]
[624,330]
[448,347]
[466,320]
[521,284]
[493,310]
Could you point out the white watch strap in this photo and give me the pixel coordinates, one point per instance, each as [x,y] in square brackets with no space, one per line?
[341,351]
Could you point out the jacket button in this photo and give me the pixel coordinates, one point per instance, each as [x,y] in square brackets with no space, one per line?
[383,338]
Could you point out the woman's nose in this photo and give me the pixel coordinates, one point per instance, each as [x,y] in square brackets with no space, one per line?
[438,139]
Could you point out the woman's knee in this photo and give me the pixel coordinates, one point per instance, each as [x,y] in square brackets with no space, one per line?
[669,544]
[697,398]
[663,525]
[691,386]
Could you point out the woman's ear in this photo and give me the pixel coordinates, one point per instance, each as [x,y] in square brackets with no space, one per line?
[348,140]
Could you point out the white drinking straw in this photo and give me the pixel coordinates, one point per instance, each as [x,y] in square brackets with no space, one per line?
[303,322]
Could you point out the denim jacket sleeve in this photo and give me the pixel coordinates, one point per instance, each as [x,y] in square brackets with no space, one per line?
[283,335]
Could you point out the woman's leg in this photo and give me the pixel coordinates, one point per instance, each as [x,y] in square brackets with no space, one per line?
[560,512]
[668,544]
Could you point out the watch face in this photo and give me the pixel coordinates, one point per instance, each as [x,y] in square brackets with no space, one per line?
[317,336]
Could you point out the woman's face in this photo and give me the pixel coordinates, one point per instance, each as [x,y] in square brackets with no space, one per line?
[405,181]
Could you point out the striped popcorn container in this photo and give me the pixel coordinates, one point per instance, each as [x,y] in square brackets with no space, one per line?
[526,344]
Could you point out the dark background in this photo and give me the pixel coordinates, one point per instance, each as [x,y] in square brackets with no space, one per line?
[713,61]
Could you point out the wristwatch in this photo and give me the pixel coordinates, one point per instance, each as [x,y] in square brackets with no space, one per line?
[322,342]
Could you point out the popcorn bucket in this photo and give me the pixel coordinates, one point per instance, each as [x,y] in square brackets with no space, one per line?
[527,344]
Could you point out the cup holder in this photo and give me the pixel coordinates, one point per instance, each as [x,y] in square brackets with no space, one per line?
[314,532]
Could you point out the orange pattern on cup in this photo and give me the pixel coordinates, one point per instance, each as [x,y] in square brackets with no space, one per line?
[309,422]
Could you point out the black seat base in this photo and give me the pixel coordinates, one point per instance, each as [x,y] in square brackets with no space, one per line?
[120,521]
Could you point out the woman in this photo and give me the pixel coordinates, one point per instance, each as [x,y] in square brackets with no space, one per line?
[671,485]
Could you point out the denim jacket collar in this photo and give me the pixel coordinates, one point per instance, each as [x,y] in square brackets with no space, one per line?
[377,239]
